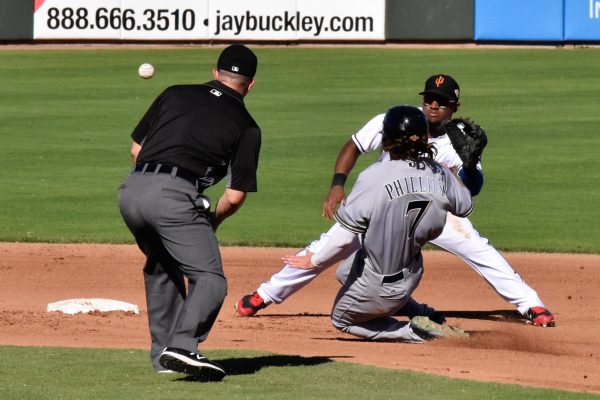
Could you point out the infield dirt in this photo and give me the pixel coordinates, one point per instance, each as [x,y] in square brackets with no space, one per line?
[502,348]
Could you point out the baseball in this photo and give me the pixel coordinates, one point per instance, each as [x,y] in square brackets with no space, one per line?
[205,204]
[146,71]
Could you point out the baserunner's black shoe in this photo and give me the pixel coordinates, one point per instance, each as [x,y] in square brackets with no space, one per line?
[195,365]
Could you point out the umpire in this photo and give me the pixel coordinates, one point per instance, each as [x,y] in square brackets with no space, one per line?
[190,138]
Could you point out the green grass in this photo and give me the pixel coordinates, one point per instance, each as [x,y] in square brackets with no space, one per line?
[66,116]
[65,120]
[58,373]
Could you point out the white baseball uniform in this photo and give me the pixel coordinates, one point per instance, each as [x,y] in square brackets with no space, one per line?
[458,237]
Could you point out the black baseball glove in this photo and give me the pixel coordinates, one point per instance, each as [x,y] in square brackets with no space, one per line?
[468,140]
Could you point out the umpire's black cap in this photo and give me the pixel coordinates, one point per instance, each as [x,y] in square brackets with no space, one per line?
[238,59]
[443,85]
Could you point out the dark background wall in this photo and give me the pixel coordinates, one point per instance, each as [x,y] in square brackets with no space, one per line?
[435,20]
[16,19]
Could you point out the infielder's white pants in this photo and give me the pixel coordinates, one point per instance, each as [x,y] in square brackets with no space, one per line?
[459,237]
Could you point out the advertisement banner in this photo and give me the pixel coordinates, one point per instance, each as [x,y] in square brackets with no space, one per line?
[349,20]
[285,20]
[121,19]
[257,19]
[519,20]
[582,20]
[169,20]
[66,19]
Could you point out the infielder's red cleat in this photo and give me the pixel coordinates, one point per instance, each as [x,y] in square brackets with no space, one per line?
[249,305]
[539,316]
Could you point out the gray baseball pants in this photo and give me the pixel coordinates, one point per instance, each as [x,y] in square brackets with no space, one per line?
[162,213]
[366,302]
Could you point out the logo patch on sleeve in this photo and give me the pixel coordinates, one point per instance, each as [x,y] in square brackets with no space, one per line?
[215,92]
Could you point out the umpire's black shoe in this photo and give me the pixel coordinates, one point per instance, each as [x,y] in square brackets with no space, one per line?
[195,365]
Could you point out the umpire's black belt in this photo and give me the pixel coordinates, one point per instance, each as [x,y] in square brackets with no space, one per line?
[168,169]
[393,278]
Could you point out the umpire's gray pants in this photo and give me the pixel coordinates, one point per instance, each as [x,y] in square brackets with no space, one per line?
[178,242]
[365,304]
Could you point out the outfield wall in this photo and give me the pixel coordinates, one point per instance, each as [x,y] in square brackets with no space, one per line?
[16,19]
[418,20]
[479,21]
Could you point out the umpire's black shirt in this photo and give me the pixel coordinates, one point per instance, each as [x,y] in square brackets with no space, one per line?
[205,129]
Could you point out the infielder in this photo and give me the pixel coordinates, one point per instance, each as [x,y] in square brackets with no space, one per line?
[440,102]
[396,206]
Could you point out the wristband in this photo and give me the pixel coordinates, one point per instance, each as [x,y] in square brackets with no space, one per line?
[338,179]
[472,179]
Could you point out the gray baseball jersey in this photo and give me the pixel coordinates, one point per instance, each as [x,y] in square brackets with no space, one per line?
[399,206]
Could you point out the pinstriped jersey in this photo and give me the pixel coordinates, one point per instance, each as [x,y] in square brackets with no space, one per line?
[398,206]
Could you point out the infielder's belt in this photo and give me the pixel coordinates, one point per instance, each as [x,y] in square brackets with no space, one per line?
[393,278]
[167,169]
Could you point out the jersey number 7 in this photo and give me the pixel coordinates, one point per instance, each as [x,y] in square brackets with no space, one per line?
[421,206]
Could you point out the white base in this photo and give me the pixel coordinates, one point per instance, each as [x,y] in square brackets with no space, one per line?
[75,306]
